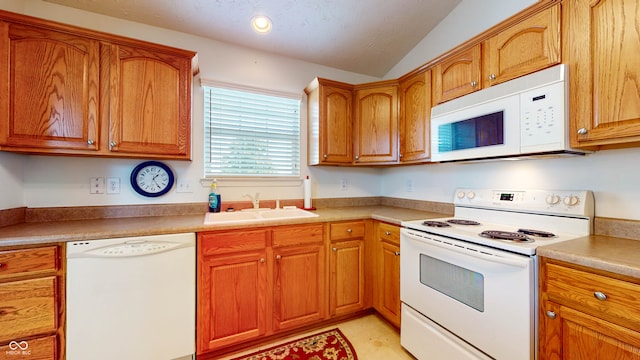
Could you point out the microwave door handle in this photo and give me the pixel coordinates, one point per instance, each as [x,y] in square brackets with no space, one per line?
[516,260]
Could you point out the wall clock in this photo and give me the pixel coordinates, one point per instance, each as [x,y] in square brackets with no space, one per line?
[152,178]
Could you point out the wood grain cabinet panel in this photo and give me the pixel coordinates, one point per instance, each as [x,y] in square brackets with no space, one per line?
[457,75]
[601,43]
[387,277]
[523,48]
[25,261]
[330,122]
[28,308]
[346,277]
[415,117]
[587,314]
[376,123]
[44,348]
[51,83]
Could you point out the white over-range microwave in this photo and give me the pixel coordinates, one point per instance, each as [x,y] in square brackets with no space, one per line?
[523,117]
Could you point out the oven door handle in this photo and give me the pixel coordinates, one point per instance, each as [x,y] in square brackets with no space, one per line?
[515,260]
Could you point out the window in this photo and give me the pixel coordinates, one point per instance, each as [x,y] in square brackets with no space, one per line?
[250,134]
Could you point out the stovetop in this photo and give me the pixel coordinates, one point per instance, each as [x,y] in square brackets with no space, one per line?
[557,215]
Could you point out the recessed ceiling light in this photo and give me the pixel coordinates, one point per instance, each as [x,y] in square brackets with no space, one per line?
[261,24]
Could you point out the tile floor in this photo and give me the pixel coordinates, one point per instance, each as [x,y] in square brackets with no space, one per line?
[372,338]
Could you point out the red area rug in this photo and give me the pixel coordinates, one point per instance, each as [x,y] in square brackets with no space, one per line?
[327,345]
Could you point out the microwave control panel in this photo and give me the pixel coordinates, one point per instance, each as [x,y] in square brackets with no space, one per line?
[542,117]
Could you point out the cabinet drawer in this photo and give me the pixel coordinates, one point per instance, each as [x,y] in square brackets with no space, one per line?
[389,233]
[346,230]
[22,261]
[34,349]
[232,241]
[27,308]
[297,235]
[576,288]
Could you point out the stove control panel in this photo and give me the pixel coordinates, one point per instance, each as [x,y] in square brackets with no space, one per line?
[566,202]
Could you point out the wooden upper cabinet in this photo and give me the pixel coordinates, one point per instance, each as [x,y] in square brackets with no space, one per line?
[457,75]
[523,48]
[601,46]
[150,102]
[376,123]
[330,119]
[79,92]
[415,116]
[50,86]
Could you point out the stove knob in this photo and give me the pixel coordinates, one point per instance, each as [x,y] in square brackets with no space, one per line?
[460,194]
[471,195]
[553,199]
[571,200]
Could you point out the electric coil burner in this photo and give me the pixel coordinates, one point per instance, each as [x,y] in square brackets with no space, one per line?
[463,222]
[435,223]
[506,235]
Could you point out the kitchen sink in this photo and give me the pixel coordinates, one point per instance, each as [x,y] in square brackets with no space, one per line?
[255,215]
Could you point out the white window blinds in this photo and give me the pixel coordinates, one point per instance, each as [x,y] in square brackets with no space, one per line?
[248,134]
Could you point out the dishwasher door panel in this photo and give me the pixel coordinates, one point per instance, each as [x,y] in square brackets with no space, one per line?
[131,298]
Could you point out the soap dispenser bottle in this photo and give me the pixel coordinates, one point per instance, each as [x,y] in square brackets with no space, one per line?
[214,197]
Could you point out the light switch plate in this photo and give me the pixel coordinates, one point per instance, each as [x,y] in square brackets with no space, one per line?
[96,185]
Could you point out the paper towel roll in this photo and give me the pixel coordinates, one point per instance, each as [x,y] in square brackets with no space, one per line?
[306,185]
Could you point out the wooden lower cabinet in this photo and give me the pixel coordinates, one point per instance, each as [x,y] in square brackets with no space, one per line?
[32,302]
[258,282]
[346,277]
[587,314]
[387,279]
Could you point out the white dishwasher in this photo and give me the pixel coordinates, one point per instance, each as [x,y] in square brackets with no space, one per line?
[131,298]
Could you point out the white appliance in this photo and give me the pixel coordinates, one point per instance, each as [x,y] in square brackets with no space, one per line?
[527,116]
[131,298]
[468,284]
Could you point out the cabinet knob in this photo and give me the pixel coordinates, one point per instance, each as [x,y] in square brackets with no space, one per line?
[349,231]
[113,144]
[387,233]
[474,83]
[357,157]
[600,295]
[325,156]
[400,156]
[334,249]
[396,253]
[278,257]
[551,314]
[262,260]
[582,131]
[90,142]
[492,76]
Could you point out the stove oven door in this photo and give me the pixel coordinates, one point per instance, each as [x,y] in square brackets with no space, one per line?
[465,293]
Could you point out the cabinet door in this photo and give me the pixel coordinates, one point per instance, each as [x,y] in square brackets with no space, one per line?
[571,334]
[388,292]
[49,83]
[457,75]
[415,116]
[299,294]
[530,45]
[336,125]
[28,308]
[601,45]
[376,125]
[232,298]
[346,279]
[150,103]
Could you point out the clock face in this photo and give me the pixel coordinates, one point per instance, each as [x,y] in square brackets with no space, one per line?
[152,178]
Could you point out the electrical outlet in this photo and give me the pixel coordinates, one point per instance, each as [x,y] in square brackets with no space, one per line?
[409,185]
[184,186]
[344,185]
[113,185]
[96,185]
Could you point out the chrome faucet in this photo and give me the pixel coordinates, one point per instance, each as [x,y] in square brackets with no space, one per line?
[255,200]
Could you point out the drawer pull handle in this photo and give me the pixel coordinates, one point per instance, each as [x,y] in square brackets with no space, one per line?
[349,231]
[600,295]
[387,233]
[397,253]
[550,314]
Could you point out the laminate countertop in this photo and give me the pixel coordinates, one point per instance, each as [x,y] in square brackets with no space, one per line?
[607,253]
[73,230]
